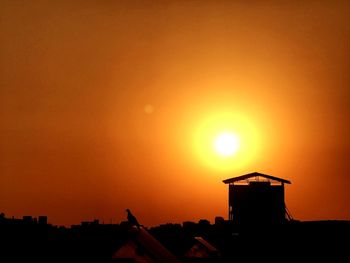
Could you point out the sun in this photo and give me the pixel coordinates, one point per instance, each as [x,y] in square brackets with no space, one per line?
[225,141]
[226,144]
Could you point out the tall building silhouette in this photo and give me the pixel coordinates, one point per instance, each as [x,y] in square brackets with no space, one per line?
[257,198]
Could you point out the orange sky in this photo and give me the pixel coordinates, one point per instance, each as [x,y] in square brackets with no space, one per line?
[76,142]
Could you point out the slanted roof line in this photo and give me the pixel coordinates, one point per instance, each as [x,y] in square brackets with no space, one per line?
[246,176]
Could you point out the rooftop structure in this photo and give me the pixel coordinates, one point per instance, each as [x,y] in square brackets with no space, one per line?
[257,198]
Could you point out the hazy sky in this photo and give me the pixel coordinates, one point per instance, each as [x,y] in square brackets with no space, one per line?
[104,105]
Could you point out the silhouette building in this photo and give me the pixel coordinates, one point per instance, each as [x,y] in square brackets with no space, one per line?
[42,220]
[257,198]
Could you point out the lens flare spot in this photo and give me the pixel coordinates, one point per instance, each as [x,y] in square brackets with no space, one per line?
[149,108]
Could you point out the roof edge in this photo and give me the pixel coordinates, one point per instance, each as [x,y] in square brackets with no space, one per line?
[246,176]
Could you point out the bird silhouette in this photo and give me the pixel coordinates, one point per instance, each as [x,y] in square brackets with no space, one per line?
[132,219]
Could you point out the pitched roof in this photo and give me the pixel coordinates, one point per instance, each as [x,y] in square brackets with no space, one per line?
[153,250]
[247,176]
[207,245]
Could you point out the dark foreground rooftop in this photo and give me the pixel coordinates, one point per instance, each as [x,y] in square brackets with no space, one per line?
[293,241]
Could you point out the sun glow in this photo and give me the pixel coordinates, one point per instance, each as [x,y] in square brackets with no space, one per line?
[226,142]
